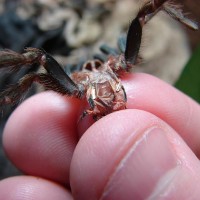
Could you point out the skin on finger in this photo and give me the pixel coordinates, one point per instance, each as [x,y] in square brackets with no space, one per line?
[28,188]
[148,93]
[40,136]
[138,157]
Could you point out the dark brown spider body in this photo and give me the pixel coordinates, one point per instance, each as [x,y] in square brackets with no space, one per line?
[98,81]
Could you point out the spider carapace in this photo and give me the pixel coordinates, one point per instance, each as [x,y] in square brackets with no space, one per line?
[99,80]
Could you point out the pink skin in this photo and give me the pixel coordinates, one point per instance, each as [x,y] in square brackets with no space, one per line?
[149,150]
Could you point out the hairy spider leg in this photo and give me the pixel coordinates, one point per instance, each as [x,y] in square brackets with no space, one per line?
[175,12]
[150,9]
[134,36]
[15,93]
[57,72]
[55,79]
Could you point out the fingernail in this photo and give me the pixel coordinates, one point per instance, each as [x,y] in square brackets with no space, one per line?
[146,162]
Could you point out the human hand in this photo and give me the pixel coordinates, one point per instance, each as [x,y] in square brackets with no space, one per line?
[148,151]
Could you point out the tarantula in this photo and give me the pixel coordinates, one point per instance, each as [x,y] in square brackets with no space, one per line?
[99,80]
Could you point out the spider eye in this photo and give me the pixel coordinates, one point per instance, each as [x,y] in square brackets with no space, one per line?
[88,66]
[92,65]
[97,64]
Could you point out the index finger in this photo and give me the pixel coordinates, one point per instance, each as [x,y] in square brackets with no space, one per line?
[40,136]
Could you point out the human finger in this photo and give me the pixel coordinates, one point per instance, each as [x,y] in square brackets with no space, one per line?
[40,136]
[29,187]
[133,154]
[151,94]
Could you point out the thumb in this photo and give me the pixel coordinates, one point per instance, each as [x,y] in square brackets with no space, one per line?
[132,154]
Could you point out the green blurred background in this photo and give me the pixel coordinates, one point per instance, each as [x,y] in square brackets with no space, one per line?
[189,81]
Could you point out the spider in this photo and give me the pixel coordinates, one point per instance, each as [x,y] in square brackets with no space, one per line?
[99,80]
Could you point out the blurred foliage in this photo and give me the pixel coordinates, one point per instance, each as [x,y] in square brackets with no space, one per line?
[189,81]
